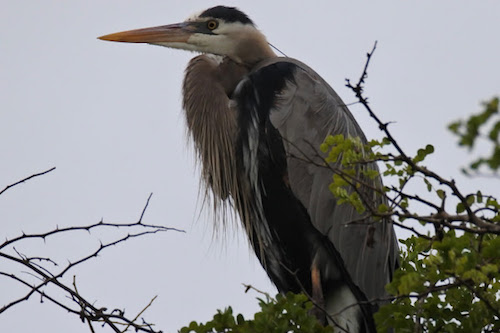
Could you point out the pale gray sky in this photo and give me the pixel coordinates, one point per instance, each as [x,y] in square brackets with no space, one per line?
[108,116]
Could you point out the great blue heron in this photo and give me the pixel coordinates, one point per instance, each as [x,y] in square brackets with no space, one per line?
[250,115]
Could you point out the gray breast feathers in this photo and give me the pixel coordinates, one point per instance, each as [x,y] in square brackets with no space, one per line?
[211,120]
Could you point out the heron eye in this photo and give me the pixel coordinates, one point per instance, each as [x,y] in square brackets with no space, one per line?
[212,24]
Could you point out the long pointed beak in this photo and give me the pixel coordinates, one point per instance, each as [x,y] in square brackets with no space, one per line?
[172,33]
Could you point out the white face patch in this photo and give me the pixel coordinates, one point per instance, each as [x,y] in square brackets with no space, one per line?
[215,44]
[233,39]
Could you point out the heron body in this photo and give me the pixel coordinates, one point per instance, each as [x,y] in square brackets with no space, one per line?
[257,121]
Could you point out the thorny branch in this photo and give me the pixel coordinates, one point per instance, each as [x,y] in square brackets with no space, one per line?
[27,178]
[483,226]
[68,297]
[440,217]
[469,221]
[249,286]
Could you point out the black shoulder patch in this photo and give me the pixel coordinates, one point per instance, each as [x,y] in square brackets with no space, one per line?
[255,96]
[228,14]
[266,83]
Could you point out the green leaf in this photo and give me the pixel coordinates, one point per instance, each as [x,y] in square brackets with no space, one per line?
[422,153]
[429,185]
[371,173]
[455,126]
[240,319]
[382,208]
[330,140]
[493,135]
[479,197]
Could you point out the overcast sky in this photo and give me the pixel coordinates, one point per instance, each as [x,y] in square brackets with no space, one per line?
[108,116]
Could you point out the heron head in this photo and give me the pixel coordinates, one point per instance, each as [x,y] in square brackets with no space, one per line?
[220,30]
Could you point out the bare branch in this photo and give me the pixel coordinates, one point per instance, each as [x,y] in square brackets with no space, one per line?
[26,179]
[87,311]
[141,312]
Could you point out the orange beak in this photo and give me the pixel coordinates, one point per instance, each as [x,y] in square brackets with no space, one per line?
[172,33]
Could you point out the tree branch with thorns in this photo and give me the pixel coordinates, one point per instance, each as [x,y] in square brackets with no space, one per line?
[37,273]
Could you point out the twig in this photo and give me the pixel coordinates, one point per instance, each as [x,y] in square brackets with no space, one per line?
[472,217]
[86,310]
[249,286]
[141,312]
[27,178]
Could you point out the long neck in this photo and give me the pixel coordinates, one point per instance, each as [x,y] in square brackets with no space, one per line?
[252,49]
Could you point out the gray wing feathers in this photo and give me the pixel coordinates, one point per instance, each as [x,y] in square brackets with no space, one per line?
[306,112]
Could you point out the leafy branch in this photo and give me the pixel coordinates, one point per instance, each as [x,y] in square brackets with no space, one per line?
[484,127]
[449,278]
[285,313]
